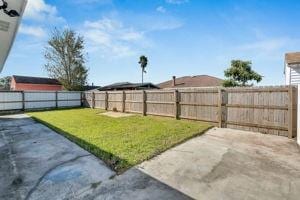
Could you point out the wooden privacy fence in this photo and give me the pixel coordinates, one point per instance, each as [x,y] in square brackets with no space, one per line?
[270,110]
[28,100]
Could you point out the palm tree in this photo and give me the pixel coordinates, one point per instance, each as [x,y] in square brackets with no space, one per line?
[143,62]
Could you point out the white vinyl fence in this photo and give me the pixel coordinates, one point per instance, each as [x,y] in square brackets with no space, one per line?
[30,100]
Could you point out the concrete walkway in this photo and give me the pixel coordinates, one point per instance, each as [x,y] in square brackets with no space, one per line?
[231,164]
[37,163]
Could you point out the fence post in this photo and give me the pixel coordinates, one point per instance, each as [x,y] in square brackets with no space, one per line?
[291,113]
[81,99]
[176,104]
[220,109]
[106,100]
[23,100]
[123,101]
[144,103]
[56,99]
[93,100]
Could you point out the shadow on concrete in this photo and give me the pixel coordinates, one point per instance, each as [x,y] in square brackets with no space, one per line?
[110,159]
[132,184]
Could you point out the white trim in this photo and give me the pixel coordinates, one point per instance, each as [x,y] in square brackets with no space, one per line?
[298,118]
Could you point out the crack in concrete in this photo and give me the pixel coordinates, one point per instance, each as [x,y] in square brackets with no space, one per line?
[49,171]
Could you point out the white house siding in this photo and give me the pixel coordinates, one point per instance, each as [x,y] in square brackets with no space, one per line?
[294,74]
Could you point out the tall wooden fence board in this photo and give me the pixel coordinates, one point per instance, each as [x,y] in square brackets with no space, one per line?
[270,110]
[134,101]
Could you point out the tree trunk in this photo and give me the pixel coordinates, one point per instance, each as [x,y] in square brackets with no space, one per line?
[142,75]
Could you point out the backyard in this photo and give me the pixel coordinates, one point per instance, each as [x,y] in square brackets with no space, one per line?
[120,142]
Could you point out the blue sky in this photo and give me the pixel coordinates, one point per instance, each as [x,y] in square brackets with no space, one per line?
[180,37]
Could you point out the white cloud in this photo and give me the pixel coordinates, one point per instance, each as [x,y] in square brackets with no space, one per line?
[161,9]
[40,11]
[35,31]
[112,37]
[178,2]
[270,48]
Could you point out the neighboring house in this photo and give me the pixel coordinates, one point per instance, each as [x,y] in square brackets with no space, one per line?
[128,86]
[292,68]
[191,81]
[35,83]
[91,88]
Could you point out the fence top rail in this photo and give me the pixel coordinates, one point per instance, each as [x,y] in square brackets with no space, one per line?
[134,91]
[257,90]
[159,91]
[10,91]
[198,91]
[115,92]
[36,91]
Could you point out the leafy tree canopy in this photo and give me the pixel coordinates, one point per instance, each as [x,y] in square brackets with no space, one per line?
[5,83]
[240,74]
[66,60]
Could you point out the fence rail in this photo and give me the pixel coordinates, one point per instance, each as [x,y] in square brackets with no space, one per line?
[29,100]
[270,110]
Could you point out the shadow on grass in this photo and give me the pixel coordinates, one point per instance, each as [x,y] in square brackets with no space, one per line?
[114,162]
[134,184]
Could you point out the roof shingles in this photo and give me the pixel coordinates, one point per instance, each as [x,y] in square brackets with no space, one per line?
[193,81]
[35,80]
[292,58]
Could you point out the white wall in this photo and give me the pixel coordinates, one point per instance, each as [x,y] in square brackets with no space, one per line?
[292,74]
[298,118]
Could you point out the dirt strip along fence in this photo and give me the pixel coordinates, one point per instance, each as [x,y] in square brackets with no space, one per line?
[270,110]
[32,100]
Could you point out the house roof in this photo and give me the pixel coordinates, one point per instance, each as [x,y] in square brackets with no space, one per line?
[91,87]
[192,81]
[36,80]
[292,58]
[128,85]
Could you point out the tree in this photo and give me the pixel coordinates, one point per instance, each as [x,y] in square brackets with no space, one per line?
[240,73]
[66,60]
[143,62]
[5,83]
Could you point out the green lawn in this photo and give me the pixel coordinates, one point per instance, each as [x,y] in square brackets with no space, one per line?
[120,142]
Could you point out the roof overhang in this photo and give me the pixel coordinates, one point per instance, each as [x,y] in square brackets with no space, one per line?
[8,28]
[294,65]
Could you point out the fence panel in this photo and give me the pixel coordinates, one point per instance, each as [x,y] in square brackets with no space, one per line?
[37,100]
[10,100]
[87,99]
[199,105]
[115,101]
[68,99]
[100,100]
[259,109]
[29,100]
[160,103]
[134,101]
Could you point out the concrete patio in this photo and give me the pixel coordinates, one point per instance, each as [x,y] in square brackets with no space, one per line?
[37,163]
[231,164]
